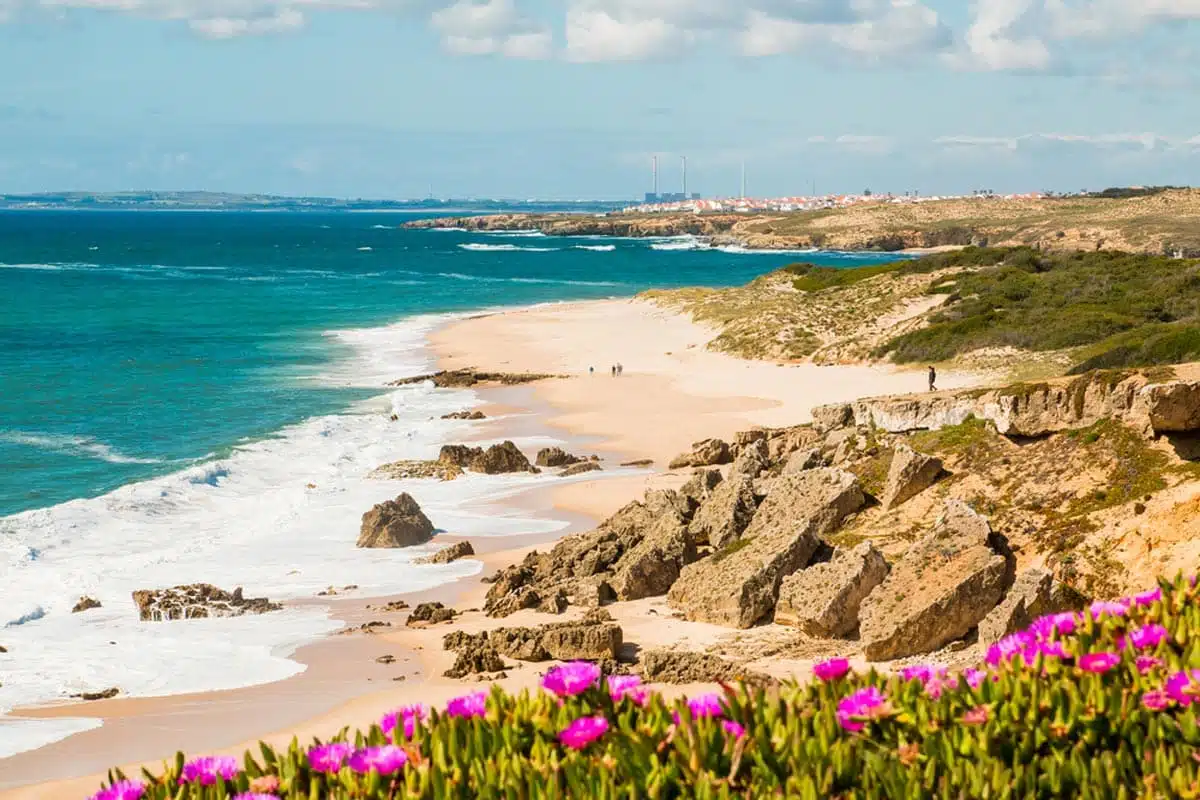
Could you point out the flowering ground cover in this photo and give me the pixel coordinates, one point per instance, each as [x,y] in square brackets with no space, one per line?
[1097,704]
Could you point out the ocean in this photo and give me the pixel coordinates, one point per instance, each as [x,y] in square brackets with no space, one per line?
[191,396]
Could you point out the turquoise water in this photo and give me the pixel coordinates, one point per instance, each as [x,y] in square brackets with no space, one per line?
[133,344]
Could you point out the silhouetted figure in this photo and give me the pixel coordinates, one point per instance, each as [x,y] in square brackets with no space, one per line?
[932,379]
[591,370]
[614,371]
[620,368]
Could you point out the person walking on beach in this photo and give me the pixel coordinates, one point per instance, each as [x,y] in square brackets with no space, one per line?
[932,379]
[591,370]
[614,371]
[620,368]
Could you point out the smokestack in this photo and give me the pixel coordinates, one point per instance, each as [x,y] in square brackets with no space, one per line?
[684,158]
[654,167]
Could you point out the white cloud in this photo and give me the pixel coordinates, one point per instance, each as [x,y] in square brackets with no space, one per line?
[487,27]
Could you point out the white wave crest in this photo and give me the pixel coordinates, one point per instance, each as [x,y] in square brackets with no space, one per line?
[596,248]
[504,248]
[80,446]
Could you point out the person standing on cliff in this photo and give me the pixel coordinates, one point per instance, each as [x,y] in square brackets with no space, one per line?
[932,379]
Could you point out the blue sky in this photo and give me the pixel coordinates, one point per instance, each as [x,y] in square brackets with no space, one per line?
[570,98]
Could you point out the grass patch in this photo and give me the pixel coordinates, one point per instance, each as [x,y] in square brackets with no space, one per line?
[1139,470]
[970,437]
[873,472]
[1124,309]
[729,549]
[813,278]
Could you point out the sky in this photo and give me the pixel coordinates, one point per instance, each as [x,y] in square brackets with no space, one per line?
[571,98]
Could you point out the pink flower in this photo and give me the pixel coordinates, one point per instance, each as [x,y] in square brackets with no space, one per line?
[467,706]
[385,760]
[1148,637]
[922,672]
[255,796]
[410,716]
[1148,598]
[733,729]
[976,716]
[583,731]
[1147,663]
[1182,687]
[1156,700]
[1098,662]
[706,705]
[1110,607]
[328,758]
[832,669]
[1052,625]
[207,770]
[571,679]
[121,790]
[622,686]
[866,703]
[974,677]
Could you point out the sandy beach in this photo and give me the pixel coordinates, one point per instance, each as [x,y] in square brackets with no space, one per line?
[671,392]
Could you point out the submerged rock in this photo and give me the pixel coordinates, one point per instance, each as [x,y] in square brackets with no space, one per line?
[395,523]
[403,470]
[85,603]
[197,601]
[553,457]
[581,468]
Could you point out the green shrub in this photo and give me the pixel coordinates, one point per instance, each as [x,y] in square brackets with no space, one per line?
[812,278]
[1101,704]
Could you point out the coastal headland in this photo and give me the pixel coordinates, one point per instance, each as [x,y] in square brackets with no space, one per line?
[773,486]
[1160,223]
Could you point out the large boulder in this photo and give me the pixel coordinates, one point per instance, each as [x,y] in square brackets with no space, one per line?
[1172,407]
[459,455]
[395,523]
[911,473]
[752,460]
[943,587]
[738,586]
[802,460]
[653,564]
[824,599]
[1031,596]
[552,457]
[501,459]
[708,453]
[700,486]
[683,666]
[726,514]
[197,601]
[452,553]
[593,638]
[475,657]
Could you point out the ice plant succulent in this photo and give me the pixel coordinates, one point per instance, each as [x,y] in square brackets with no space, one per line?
[866,703]
[1098,662]
[207,770]
[832,669]
[583,731]
[121,790]
[626,686]
[706,705]
[329,758]
[1147,637]
[402,721]
[467,706]
[571,679]
[385,760]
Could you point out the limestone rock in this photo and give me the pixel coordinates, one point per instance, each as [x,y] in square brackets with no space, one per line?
[474,659]
[395,523]
[654,563]
[592,638]
[459,455]
[466,378]
[452,553]
[911,473]
[1172,407]
[553,457]
[580,468]
[943,587]
[831,417]
[501,459]
[752,460]
[738,586]
[469,415]
[824,599]
[681,666]
[701,485]
[430,614]
[1028,599]
[85,603]
[707,453]
[402,470]
[802,460]
[197,601]
[723,517]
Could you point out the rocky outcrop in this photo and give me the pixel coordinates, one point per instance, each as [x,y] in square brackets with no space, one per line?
[616,224]
[1029,598]
[738,586]
[752,459]
[708,453]
[452,553]
[430,614]
[85,604]
[475,656]
[824,599]
[395,523]
[682,666]
[197,601]
[726,513]
[553,457]
[402,470]
[468,415]
[943,587]
[466,378]
[595,637]
[1031,410]
[498,459]
[651,566]
[802,460]
[580,469]
[910,474]
[700,486]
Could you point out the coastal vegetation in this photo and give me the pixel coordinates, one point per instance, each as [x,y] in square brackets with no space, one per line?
[1099,703]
